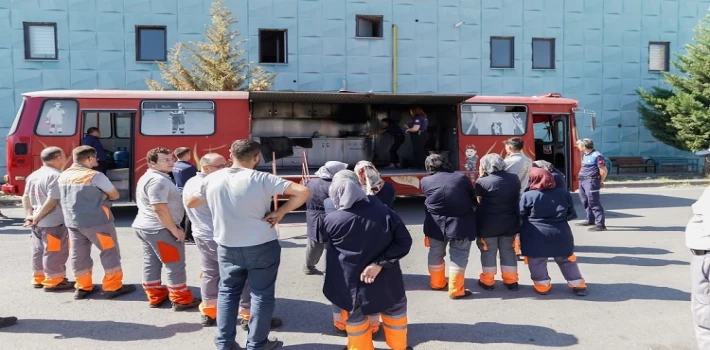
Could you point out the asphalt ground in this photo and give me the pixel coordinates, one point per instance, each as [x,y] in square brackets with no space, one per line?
[637,274]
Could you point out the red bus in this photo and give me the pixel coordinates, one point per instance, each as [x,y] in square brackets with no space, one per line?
[316,127]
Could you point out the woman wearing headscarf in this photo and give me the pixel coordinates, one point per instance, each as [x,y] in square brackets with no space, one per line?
[498,195]
[560,181]
[363,277]
[449,219]
[315,213]
[545,232]
[372,183]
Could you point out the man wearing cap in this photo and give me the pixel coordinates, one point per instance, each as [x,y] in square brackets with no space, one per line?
[591,180]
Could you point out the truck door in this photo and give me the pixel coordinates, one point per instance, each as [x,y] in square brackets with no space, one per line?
[561,145]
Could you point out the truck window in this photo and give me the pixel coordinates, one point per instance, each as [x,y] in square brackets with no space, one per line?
[99,120]
[123,126]
[16,122]
[493,120]
[160,118]
[57,118]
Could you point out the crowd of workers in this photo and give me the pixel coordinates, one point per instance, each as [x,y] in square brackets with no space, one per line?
[228,209]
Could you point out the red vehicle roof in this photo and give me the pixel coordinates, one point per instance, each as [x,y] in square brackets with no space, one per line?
[523,99]
[139,94]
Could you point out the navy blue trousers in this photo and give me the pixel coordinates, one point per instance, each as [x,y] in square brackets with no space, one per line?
[589,194]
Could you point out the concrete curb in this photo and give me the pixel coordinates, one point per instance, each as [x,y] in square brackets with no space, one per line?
[665,183]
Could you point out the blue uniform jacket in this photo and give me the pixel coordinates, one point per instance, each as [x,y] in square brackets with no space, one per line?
[450,207]
[560,180]
[545,231]
[93,141]
[367,233]
[591,162]
[183,171]
[387,195]
[315,211]
[497,215]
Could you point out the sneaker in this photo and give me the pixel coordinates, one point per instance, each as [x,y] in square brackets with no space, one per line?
[513,286]
[273,343]
[580,292]
[275,323]
[485,286]
[311,270]
[7,321]
[597,229]
[63,285]
[542,293]
[208,321]
[158,304]
[81,294]
[584,223]
[125,289]
[182,307]
[37,285]
[467,293]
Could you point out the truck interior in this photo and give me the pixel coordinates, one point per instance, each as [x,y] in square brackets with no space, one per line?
[552,141]
[300,127]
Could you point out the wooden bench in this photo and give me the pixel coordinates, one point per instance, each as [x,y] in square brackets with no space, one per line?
[688,164]
[633,162]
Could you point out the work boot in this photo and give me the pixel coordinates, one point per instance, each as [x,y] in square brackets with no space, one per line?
[467,293]
[597,229]
[584,223]
[63,285]
[273,343]
[37,285]
[125,289]
[182,307]
[158,304]
[580,292]
[7,321]
[81,294]
[275,323]
[485,286]
[311,270]
[208,321]
[513,286]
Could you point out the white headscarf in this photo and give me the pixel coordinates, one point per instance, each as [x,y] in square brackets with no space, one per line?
[327,171]
[345,191]
[369,177]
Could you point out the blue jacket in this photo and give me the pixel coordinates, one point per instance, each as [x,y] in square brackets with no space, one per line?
[545,231]
[450,212]
[367,233]
[497,215]
[315,211]
[93,141]
[183,171]
[387,195]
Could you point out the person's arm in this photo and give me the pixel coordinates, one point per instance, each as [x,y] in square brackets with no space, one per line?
[49,205]
[104,184]
[479,193]
[27,205]
[524,208]
[414,128]
[158,197]
[297,193]
[196,198]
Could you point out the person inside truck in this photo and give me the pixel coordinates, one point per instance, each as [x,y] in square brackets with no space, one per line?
[391,128]
[417,129]
[92,139]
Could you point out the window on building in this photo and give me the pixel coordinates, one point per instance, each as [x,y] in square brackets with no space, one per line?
[40,41]
[543,53]
[58,118]
[177,118]
[493,120]
[502,52]
[367,26]
[151,43]
[272,46]
[658,56]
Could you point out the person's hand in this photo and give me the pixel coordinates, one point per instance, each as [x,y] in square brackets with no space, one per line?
[29,221]
[370,273]
[601,184]
[179,235]
[273,218]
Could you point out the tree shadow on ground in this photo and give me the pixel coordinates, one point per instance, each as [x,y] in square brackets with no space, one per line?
[620,250]
[629,261]
[646,228]
[111,331]
[13,226]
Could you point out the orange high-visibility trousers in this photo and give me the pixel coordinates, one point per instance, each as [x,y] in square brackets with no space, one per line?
[50,252]
[103,237]
[161,249]
[394,323]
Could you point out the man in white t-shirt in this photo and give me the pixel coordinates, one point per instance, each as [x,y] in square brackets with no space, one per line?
[519,164]
[239,199]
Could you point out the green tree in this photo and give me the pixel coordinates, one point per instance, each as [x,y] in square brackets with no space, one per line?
[680,117]
[215,64]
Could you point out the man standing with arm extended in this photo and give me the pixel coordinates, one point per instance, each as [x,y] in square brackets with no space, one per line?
[591,180]
[248,247]
[160,210]
[519,164]
[50,238]
[182,172]
[89,219]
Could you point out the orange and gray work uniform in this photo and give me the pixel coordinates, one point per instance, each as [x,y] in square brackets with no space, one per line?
[90,222]
[360,329]
[341,317]
[160,248]
[203,232]
[50,239]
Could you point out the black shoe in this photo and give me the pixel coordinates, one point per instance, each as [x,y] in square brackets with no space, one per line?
[208,321]
[467,293]
[584,223]
[37,285]
[81,294]
[158,304]
[125,289]
[580,292]
[520,258]
[597,229]
[341,332]
[189,241]
[311,270]
[273,343]
[7,321]
[63,285]
[513,286]
[182,307]
[275,323]
[485,286]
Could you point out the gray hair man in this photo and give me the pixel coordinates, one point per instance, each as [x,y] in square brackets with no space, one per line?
[591,180]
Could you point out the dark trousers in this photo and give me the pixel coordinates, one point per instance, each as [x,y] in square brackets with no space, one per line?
[187,227]
[589,195]
[398,141]
[418,145]
[259,265]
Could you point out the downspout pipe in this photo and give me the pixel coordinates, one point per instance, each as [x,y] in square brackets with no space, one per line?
[394,58]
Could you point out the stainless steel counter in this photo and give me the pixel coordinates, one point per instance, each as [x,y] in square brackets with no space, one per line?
[344,149]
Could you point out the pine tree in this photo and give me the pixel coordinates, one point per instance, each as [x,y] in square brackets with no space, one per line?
[680,117]
[215,64]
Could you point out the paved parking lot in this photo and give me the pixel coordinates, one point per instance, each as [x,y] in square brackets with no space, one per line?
[637,274]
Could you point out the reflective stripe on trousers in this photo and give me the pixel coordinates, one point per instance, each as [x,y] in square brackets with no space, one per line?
[104,238]
[459,251]
[568,267]
[394,323]
[490,249]
[50,252]
[161,249]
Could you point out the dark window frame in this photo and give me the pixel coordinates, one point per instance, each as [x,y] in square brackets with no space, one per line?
[378,20]
[667,58]
[511,40]
[26,32]
[552,52]
[138,42]
[285,44]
